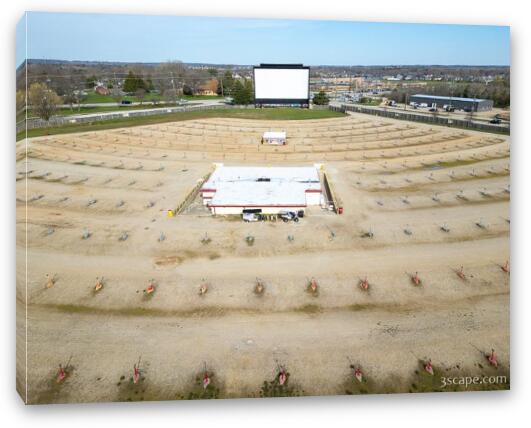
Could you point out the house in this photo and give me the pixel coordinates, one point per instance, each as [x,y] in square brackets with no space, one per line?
[102,90]
[210,88]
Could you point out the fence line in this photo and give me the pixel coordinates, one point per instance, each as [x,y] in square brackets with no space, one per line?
[415,117]
[33,123]
[393,114]
[192,193]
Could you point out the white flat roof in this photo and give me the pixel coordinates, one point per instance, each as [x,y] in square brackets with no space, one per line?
[259,194]
[223,174]
[275,135]
[262,186]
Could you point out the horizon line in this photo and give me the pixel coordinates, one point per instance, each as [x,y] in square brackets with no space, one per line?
[250,65]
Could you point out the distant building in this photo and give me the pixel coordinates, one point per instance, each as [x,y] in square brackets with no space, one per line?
[209,88]
[102,90]
[470,104]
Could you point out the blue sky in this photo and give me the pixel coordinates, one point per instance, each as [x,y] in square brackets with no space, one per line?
[145,38]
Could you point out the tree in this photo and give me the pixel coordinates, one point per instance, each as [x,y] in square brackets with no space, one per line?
[70,99]
[170,95]
[171,74]
[211,85]
[133,82]
[140,95]
[321,99]
[43,101]
[249,90]
[226,84]
[149,85]
[90,82]
[130,83]
[21,100]
[79,97]
[117,94]
[187,90]
[242,93]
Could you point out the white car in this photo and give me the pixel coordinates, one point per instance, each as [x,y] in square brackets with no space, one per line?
[248,217]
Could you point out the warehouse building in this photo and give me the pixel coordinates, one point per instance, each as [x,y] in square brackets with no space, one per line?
[266,190]
[468,104]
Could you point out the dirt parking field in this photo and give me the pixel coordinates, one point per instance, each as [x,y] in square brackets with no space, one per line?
[416,198]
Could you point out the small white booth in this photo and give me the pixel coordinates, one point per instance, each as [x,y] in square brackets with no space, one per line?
[276,138]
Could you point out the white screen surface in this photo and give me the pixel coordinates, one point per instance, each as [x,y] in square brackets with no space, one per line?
[281,83]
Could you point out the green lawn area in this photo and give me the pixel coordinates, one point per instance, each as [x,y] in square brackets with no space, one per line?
[264,114]
[201,97]
[101,109]
[84,110]
[93,98]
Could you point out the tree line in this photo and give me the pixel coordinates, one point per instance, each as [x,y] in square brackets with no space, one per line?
[51,86]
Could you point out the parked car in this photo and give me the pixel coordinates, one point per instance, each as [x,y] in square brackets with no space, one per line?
[126,102]
[289,216]
[496,121]
[249,217]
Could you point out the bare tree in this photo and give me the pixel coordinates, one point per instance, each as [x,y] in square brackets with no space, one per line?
[79,97]
[69,98]
[140,95]
[117,94]
[21,100]
[172,75]
[43,100]
[170,95]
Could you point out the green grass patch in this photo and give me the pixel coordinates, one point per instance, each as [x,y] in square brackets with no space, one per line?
[93,98]
[104,109]
[256,114]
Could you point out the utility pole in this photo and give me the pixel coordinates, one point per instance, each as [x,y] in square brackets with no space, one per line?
[451,94]
[172,82]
